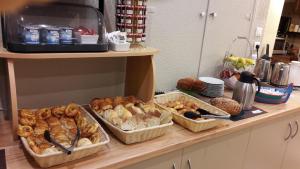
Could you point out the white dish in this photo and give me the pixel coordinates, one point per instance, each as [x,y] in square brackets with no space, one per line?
[211,80]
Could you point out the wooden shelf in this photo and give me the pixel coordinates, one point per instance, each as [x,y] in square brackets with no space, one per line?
[132,52]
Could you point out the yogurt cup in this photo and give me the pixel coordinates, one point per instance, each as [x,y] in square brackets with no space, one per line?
[31,34]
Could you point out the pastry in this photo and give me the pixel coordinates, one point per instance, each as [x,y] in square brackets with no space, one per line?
[95,104]
[95,138]
[72,110]
[122,112]
[89,130]
[81,121]
[118,101]
[53,121]
[27,121]
[43,113]
[84,142]
[61,122]
[24,131]
[24,113]
[228,105]
[58,111]
[40,127]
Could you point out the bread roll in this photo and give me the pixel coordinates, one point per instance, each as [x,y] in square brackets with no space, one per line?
[230,106]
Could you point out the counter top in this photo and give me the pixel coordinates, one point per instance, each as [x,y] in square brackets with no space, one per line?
[117,154]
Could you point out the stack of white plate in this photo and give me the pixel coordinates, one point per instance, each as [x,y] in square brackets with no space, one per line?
[214,87]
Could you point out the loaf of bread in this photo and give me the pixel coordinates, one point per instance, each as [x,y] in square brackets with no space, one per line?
[191,84]
[230,106]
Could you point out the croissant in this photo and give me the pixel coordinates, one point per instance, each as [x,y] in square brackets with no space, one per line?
[43,113]
[24,131]
[58,111]
[72,110]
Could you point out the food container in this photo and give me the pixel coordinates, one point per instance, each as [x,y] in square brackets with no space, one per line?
[140,28]
[141,2]
[135,136]
[50,35]
[192,125]
[31,34]
[130,37]
[129,10]
[66,35]
[140,10]
[138,37]
[122,47]
[88,39]
[140,19]
[80,152]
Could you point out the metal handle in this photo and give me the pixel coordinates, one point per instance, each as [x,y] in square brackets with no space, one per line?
[189,163]
[213,14]
[290,127]
[202,14]
[296,122]
[174,166]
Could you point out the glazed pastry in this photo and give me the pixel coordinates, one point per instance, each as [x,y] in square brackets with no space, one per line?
[95,104]
[58,111]
[84,142]
[24,113]
[81,121]
[24,131]
[43,113]
[53,121]
[27,121]
[95,138]
[118,101]
[68,123]
[33,146]
[72,110]
[89,130]
[41,127]
[228,105]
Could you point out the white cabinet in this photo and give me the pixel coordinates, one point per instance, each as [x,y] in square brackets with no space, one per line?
[169,161]
[226,152]
[225,21]
[267,145]
[292,155]
[176,29]
[195,34]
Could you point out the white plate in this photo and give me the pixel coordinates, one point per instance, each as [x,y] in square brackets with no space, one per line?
[211,80]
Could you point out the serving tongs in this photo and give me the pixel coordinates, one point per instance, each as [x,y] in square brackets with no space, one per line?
[68,150]
[204,114]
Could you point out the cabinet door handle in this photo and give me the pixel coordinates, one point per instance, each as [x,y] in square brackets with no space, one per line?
[297,125]
[174,165]
[290,127]
[189,163]
[213,14]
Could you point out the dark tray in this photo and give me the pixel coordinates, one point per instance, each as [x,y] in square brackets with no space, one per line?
[42,48]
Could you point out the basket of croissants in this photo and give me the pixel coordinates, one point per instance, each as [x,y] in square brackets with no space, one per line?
[130,119]
[56,135]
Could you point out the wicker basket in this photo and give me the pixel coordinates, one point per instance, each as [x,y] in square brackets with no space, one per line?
[135,136]
[190,124]
[60,157]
